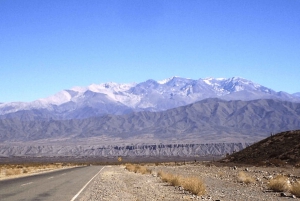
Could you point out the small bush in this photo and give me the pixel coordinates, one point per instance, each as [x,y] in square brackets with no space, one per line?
[142,170]
[175,180]
[295,189]
[137,169]
[245,178]
[165,177]
[192,184]
[129,167]
[279,184]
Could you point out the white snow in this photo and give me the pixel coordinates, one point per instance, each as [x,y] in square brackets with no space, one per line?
[121,93]
[166,80]
[57,99]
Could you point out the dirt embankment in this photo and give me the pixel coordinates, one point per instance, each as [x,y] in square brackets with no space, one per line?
[222,183]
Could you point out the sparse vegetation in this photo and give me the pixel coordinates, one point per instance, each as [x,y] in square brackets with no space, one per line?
[279,184]
[10,172]
[137,168]
[19,169]
[245,178]
[167,177]
[192,184]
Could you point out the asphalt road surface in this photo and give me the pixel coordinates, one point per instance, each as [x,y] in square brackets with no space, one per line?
[60,185]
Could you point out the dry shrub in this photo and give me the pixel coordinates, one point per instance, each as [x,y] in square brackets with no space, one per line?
[245,178]
[295,189]
[10,172]
[130,167]
[165,177]
[279,184]
[142,170]
[137,169]
[174,180]
[192,184]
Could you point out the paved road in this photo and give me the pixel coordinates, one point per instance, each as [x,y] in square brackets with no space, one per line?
[59,185]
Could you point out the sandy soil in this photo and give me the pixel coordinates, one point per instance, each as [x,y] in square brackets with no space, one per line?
[116,183]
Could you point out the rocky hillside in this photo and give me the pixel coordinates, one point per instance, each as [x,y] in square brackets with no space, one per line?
[276,149]
[207,121]
[130,150]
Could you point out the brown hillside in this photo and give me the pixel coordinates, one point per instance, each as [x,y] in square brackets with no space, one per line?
[276,150]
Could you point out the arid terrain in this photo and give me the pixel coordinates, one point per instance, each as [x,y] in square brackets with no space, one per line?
[222,182]
[267,170]
[9,171]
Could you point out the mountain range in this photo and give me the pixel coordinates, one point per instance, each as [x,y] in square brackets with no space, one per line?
[173,117]
[207,121]
[151,95]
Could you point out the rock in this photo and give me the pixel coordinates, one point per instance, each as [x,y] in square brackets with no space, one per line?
[283,195]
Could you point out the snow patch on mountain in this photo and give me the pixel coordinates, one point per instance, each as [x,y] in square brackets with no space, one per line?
[57,99]
[166,80]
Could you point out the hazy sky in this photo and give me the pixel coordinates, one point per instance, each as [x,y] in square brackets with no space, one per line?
[50,45]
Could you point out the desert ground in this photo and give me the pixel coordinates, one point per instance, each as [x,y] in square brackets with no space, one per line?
[219,181]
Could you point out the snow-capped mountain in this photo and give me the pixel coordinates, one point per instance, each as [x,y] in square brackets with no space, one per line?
[151,95]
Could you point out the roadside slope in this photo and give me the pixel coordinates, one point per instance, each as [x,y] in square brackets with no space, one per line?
[276,149]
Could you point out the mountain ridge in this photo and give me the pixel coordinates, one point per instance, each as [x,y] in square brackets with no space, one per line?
[151,95]
[210,121]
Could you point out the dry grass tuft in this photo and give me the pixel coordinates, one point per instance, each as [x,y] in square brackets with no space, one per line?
[279,184]
[245,178]
[142,170]
[295,189]
[192,184]
[130,167]
[165,177]
[137,169]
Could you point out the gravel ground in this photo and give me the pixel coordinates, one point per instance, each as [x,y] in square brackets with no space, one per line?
[116,183]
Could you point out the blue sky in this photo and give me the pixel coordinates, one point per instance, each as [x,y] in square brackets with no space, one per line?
[50,45]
